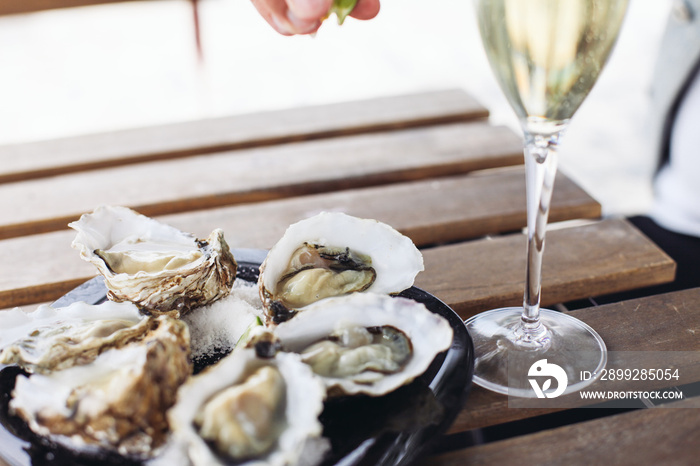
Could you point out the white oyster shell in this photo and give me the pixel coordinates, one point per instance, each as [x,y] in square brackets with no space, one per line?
[428,333]
[49,339]
[117,402]
[394,257]
[303,404]
[153,265]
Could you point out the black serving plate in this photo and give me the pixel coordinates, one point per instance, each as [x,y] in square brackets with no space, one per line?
[390,430]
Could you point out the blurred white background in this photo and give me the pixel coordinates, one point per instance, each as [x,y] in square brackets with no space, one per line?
[94,69]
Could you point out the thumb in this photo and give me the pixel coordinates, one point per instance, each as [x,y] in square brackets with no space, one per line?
[309,9]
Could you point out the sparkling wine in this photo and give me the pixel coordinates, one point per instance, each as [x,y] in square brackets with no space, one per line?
[547,54]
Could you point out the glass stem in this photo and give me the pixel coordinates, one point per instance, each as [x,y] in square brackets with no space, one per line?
[540,168]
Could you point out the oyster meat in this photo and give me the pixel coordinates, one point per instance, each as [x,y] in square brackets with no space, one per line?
[333,254]
[117,402]
[366,342]
[49,339]
[249,409]
[245,420]
[364,354]
[159,268]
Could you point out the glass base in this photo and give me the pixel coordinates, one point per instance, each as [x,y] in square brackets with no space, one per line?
[511,363]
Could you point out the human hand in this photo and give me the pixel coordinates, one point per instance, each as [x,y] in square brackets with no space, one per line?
[289,17]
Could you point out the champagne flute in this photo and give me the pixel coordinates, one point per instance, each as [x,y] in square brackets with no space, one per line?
[546,56]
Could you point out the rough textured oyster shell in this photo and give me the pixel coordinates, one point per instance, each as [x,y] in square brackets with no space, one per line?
[301,404]
[332,254]
[117,402]
[153,265]
[51,339]
[428,334]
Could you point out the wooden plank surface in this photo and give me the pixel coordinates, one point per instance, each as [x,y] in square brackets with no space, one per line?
[668,322]
[442,210]
[48,158]
[254,175]
[579,262]
[649,436]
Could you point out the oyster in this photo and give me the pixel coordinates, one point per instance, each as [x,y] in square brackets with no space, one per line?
[365,342]
[117,402]
[153,265]
[51,339]
[247,408]
[334,254]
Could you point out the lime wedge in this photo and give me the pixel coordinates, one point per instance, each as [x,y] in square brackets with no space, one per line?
[342,8]
[246,335]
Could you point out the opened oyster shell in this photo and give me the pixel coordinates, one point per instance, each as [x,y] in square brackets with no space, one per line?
[116,402]
[334,254]
[366,342]
[49,339]
[153,265]
[249,409]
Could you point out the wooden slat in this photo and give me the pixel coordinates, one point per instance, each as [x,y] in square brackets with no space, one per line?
[668,322]
[25,161]
[12,7]
[442,210]
[254,175]
[650,436]
[578,262]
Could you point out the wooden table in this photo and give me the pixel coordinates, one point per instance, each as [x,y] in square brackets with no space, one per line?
[432,166]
